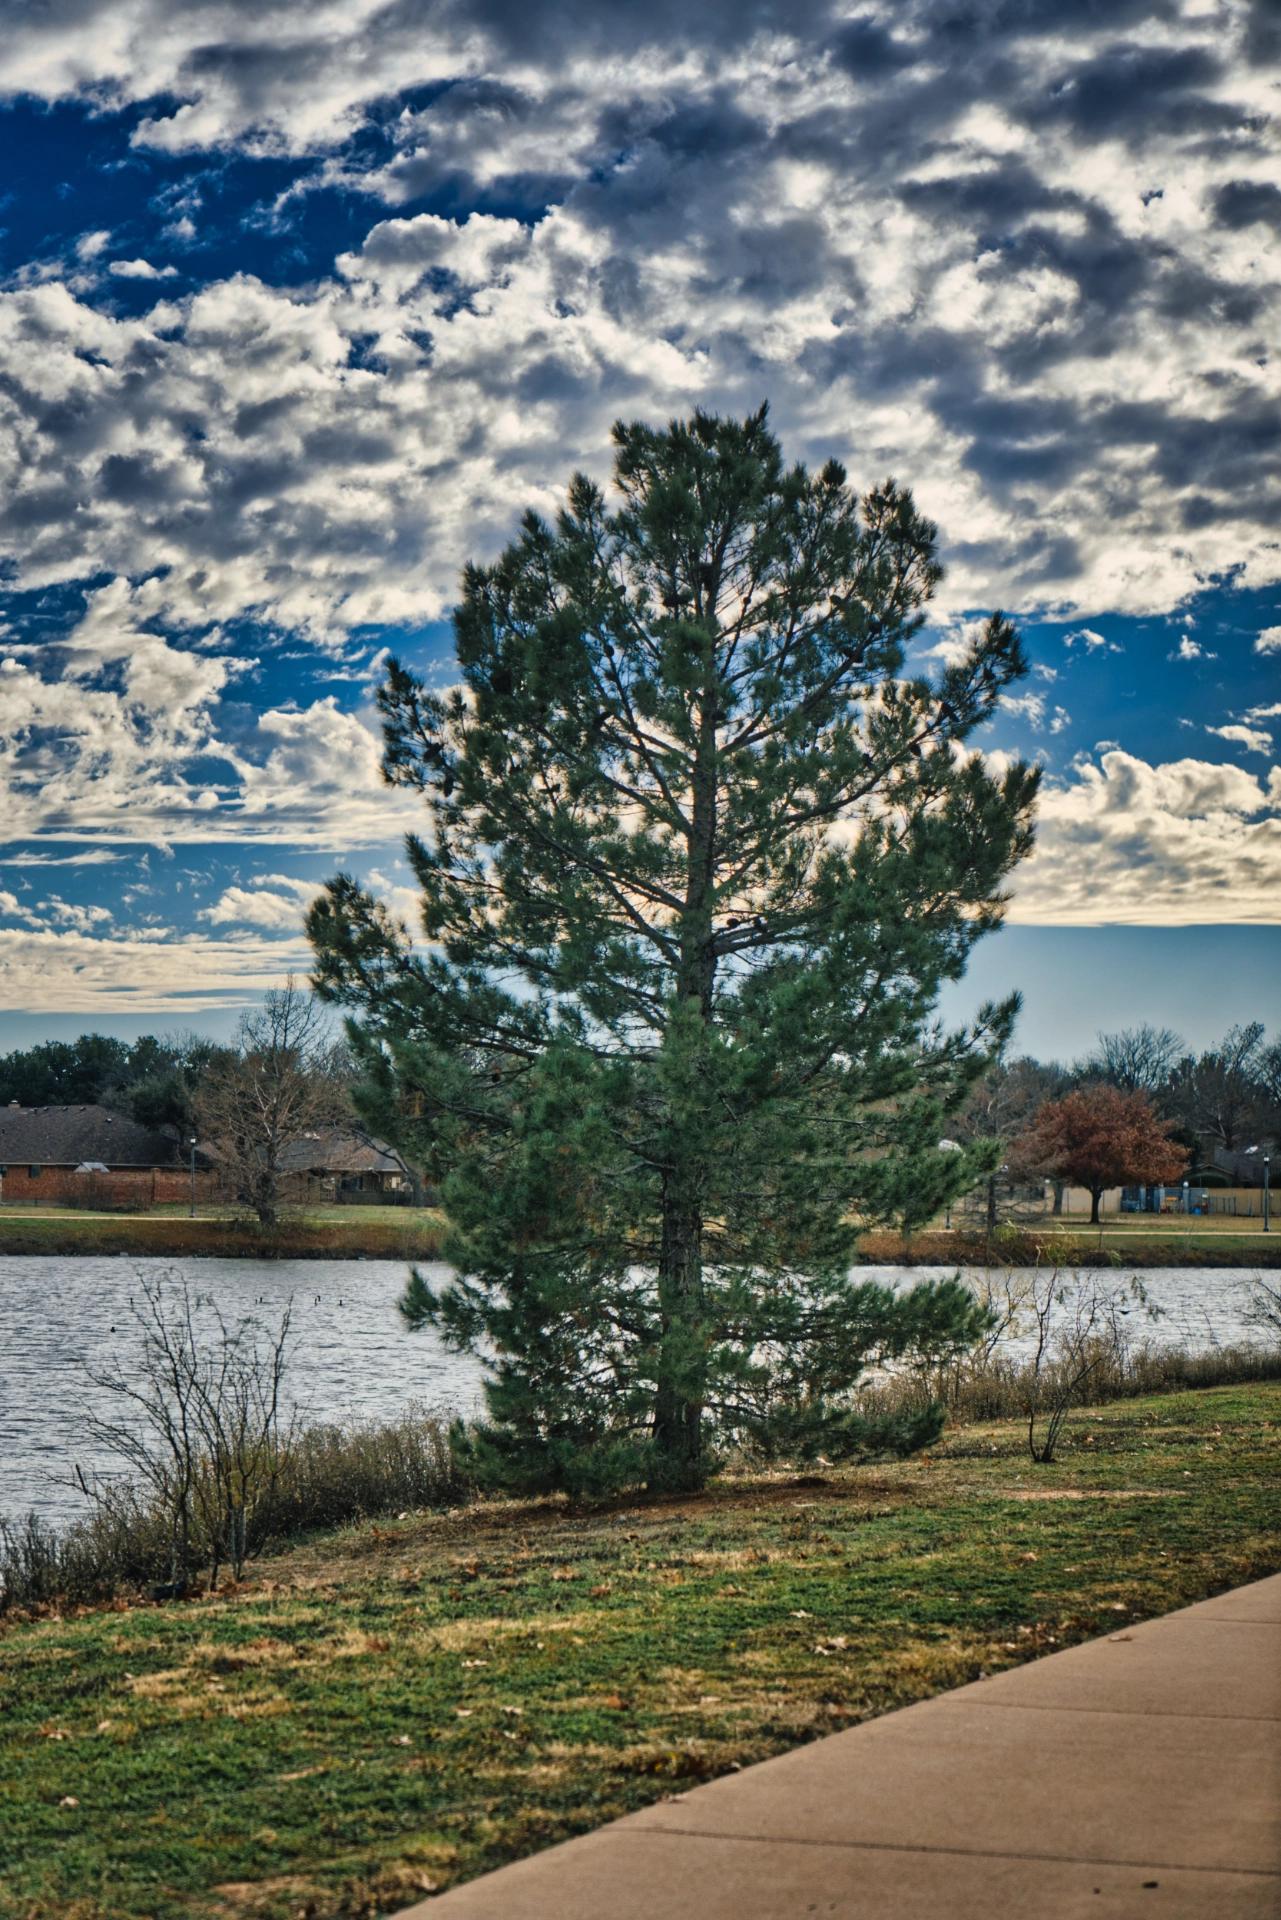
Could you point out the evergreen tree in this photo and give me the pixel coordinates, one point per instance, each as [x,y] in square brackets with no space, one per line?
[701,855]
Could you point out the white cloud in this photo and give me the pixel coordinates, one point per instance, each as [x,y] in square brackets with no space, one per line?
[118,739]
[1268,641]
[1253,739]
[274,901]
[1026,706]
[1191,650]
[142,972]
[1032,708]
[404,902]
[1264,713]
[1123,842]
[71,913]
[1092,642]
[140,270]
[738,204]
[92,857]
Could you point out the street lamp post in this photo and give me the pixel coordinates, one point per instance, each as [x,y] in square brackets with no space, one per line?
[1186,1209]
[949,1146]
[1267,1211]
[192,1144]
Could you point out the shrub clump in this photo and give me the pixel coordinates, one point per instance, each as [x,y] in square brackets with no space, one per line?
[329,1476]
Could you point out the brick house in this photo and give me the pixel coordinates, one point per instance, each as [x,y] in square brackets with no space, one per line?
[345,1164]
[91,1157]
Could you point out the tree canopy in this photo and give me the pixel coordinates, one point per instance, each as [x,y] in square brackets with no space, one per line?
[1099,1137]
[153,1079]
[701,850]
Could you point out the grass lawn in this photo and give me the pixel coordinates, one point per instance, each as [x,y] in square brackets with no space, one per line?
[380,1233]
[393,1233]
[405,1705]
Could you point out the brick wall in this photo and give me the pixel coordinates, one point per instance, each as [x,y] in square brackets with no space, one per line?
[124,1189]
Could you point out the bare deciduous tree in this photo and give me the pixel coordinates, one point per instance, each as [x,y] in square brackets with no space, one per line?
[1137,1060]
[1219,1095]
[283,1080]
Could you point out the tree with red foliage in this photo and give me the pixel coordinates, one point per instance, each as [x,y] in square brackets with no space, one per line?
[1100,1137]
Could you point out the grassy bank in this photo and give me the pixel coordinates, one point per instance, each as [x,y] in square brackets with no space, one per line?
[385,1233]
[1133,1248]
[406,1704]
[392,1233]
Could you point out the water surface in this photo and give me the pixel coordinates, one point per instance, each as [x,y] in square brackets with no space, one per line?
[61,1318]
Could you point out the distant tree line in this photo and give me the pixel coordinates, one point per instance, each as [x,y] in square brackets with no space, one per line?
[283,1075]
[1229,1095]
[1140,1108]
[154,1080]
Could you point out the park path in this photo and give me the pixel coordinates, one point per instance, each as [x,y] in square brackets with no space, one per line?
[1137,1775]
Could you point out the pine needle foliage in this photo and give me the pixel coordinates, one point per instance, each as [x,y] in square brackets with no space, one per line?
[700,855]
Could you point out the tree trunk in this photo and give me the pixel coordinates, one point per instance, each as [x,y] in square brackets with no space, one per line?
[991,1203]
[678,1402]
[682,1360]
[1096,1194]
[1058,1196]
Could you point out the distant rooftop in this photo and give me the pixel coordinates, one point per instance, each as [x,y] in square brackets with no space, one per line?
[72,1136]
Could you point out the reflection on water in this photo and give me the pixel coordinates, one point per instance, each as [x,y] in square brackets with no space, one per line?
[352,1355]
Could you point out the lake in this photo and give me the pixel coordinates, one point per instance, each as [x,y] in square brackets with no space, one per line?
[352,1355]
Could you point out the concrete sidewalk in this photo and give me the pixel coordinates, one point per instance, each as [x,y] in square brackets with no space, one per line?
[1136,1775]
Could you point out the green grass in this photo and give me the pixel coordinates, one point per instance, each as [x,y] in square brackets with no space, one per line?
[406,1705]
[391,1233]
[385,1233]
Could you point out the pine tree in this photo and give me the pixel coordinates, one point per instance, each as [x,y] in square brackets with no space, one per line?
[701,855]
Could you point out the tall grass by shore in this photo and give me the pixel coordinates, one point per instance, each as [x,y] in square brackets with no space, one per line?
[336,1475]
[1000,1387]
[330,1476]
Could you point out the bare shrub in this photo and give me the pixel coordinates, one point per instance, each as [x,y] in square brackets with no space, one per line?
[1264,1310]
[990,1382]
[1078,1336]
[331,1477]
[201,1433]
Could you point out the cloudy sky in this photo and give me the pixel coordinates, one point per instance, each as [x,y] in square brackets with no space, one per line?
[300,305]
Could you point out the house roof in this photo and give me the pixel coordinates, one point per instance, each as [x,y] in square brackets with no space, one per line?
[340,1150]
[1243,1166]
[70,1136]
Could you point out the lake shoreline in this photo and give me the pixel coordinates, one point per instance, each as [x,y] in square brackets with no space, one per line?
[420,1238]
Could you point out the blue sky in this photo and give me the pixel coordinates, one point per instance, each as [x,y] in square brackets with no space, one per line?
[298,311]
